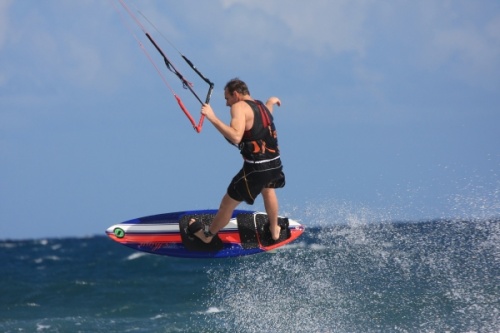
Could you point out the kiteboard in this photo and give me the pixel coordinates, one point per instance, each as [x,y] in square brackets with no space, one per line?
[167,234]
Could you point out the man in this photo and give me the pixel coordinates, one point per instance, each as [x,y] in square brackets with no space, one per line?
[252,130]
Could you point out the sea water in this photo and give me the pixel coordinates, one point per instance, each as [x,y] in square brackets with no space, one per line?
[421,276]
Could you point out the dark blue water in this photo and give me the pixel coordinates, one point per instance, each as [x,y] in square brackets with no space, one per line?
[436,276]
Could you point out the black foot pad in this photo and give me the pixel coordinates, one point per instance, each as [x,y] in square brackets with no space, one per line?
[265,234]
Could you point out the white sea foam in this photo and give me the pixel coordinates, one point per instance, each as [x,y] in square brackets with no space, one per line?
[158,316]
[84,283]
[56,247]
[8,245]
[42,328]
[46,258]
[136,255]
[213,309]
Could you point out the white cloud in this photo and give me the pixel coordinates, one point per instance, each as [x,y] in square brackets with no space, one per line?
[4,25]
[63,44]
[85,63]
[4,20]
[244,33]
[469,45]
[320,26]
[462,37]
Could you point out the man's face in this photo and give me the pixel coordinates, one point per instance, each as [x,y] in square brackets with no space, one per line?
[230,99]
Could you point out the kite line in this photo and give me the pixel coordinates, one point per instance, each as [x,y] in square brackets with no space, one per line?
[170,66]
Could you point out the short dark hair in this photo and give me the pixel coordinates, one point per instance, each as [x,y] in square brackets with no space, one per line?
[237,85]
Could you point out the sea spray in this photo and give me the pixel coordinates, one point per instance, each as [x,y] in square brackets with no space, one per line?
[361,276]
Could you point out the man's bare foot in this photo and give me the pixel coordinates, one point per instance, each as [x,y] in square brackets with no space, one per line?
[200,233]
[275,231]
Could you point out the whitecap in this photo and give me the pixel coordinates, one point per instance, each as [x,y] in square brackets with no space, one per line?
[83,283]
[56,247]
[159,316]
[42,259]
[40,327]
[213,309]
[8,245]
[136,255]
[43,241]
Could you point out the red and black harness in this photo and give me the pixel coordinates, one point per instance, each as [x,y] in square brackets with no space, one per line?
[260,142]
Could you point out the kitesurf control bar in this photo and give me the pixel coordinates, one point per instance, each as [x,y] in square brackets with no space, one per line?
[185,83]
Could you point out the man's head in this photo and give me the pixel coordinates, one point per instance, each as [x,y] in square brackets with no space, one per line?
[238,86]
[234,90]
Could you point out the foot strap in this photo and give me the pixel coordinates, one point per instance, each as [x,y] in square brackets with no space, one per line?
[195,227]
[208,233]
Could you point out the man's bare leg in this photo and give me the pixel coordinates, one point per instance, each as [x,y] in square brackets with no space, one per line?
[271,205]
[221,219]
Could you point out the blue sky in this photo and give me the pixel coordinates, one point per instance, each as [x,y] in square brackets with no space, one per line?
[390,110]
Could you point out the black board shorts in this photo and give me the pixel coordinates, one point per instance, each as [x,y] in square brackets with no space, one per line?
[254,177]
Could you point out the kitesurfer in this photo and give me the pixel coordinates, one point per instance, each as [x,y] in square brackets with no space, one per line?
[252,130]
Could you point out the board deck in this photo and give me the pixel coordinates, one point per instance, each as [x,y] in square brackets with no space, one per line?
[166,234]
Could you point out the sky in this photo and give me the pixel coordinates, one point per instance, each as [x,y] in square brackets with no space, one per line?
[390,110]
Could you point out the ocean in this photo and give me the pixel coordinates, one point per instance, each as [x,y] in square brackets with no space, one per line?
[426,276]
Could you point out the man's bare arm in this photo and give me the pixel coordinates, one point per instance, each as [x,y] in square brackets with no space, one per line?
[233,132]
[271,101]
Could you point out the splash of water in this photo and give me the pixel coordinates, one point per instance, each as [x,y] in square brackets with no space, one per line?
[366,277]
